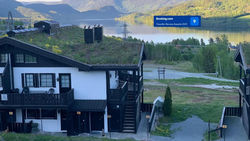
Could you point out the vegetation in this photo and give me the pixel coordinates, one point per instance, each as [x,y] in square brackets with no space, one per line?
[37,137]
[34,15]
[216,57]
[215,14]
[197,81]
[163,130]
[207,104]
[167,105]
[70,42]
[213,136]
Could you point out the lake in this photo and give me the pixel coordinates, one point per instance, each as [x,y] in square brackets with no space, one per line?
[162,35]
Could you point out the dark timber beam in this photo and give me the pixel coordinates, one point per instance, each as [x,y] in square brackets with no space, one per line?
[134,80]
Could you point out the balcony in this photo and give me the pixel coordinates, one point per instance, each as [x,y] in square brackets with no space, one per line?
[37,100]
[119,94]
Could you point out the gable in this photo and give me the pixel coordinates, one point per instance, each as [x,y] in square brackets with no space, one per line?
[41,60]
[10,44]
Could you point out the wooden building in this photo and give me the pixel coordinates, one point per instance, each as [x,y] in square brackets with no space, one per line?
[49,27]
[63,94]
[243,58]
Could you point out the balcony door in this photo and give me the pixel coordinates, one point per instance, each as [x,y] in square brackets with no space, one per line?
[64,83]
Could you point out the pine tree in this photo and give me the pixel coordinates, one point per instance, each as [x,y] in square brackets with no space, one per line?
[167,105]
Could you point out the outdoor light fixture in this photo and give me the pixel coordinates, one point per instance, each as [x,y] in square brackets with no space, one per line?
[11,113]
[147,116]
[78,113]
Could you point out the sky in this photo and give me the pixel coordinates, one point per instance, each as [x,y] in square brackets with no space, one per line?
[39,0]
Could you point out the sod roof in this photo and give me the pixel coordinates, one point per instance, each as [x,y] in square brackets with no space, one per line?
[69,42]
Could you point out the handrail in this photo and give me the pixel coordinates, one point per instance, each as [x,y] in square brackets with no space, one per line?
[125,83]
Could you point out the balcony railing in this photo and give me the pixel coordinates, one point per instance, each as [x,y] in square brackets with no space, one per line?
[41,99]
[242,86]
[118,94]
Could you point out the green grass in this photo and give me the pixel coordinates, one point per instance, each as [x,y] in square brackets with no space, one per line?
[37,137]
[207,104]
[70,42]
[195,81]
[163,130]
[213,136]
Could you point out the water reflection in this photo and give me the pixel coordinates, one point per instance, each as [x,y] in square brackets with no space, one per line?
[162,35]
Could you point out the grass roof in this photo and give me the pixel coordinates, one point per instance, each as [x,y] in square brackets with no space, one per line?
[246,53]
[70,42]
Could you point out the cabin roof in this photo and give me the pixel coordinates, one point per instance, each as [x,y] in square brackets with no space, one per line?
[69,42]
[243,56]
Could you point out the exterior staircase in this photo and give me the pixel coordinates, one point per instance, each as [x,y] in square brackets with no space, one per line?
[129,122]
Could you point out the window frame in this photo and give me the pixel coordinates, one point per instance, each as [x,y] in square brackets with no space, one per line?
[31,56]
[52,80]
[25,79]
[16,58]
[6,57]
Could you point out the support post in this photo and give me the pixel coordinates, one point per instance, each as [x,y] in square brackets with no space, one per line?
[134,80]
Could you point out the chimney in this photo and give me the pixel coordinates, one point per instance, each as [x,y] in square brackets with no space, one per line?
[98,31]
[89,35]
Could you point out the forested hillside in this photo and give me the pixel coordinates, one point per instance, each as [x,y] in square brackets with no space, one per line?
[227,13]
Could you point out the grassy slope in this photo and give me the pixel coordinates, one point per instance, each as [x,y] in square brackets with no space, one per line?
[226,10]
[35,16]
[188,101]
[70,43]
[34,137]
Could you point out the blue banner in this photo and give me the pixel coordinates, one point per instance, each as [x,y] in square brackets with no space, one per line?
[177,21]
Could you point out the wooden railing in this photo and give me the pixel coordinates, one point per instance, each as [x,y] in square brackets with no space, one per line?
[242,86]
[118,94]
[228,111]
[38,99]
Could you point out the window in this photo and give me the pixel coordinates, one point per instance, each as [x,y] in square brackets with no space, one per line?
[4,58]
[65,82]
[19,58]
[41,114]
[33,114]
[38,80]
[30,59]
[29,80]
[49,114]
[46,80]
[1,83]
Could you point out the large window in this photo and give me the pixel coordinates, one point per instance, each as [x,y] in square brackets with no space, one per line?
[4,58]
[1,83]
[19,58]
[33,114]
[38,80]
[30,59]
[46,80]
[41,114]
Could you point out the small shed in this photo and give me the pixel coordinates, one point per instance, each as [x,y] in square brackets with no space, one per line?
[48,27]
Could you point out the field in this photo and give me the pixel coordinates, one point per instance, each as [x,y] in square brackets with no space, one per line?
[205,103]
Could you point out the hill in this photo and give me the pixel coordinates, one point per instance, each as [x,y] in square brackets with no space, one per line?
[221,13]
[59,12]
[122,5]
[9,5]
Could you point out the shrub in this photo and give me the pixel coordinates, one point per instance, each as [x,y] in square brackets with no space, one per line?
[167,105]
